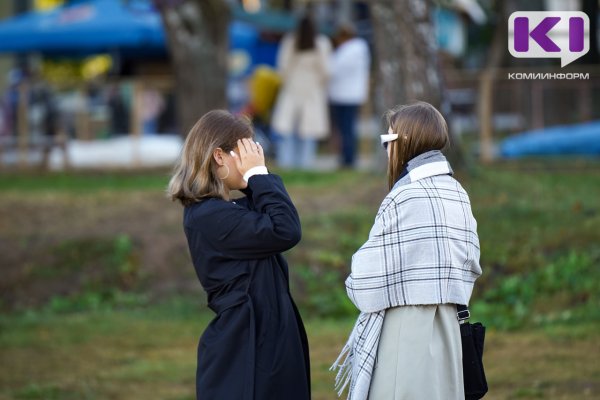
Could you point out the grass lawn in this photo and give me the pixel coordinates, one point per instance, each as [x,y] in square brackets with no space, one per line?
[96,280]
[150,354]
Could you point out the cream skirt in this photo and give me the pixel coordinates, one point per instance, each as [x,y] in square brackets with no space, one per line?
[419,355]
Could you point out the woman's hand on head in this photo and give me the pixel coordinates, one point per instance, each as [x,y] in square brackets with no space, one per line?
[251,155]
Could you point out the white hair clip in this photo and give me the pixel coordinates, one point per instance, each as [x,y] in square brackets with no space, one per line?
[388,138]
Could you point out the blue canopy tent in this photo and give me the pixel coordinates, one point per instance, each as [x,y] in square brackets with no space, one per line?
[85,28]
[131,28]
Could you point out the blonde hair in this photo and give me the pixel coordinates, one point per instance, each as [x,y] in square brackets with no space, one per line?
[195,174]
[420,128]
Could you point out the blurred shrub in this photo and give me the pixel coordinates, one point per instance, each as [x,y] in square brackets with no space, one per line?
[91,274]
[321,262]
[322,295]
[566,290]
[103,300]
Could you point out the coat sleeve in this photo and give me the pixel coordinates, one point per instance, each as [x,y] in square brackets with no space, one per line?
[271,228]
[366,286]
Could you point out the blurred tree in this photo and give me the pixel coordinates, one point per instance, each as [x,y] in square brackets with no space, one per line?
[197,38]
[406,52]
[496,58]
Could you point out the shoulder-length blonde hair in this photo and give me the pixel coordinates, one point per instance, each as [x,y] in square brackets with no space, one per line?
[420,128]
[195,175]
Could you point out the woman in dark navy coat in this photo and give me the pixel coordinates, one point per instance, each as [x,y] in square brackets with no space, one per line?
[256,346]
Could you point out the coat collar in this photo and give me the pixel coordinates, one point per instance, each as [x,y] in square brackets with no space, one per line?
[424,165]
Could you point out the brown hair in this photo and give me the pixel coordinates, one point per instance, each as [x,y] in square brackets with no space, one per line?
[345,31]
[305,34]
[195,174]
[420,128]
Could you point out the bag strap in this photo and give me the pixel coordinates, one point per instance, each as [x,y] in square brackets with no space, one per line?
[462,313]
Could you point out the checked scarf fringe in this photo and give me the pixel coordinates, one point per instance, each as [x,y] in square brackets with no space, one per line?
[359,356]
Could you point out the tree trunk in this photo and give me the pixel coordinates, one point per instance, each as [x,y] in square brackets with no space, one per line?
[406,51]
[496,57]
[487,79]
[198,43]
[406,55]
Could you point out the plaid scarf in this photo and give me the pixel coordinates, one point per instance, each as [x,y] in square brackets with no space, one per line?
[388,270]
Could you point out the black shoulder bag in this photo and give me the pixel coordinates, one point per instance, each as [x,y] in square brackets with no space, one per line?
[472,336]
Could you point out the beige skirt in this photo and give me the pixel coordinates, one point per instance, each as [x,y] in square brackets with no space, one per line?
[419,355]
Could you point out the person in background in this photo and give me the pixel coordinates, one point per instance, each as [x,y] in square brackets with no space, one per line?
[301,117]
[256,346]
[11,101]
[152,106]
[421,260]
[45,116]
[43,94]
[348,87]
[119,113]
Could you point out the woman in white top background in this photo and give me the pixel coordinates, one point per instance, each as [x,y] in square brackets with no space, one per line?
[348,87]
[301,115]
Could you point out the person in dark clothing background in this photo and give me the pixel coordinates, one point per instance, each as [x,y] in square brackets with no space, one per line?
[256,346]
[41,96]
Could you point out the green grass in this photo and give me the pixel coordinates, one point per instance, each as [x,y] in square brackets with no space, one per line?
[93,181]
[151,353]
[109,338]
[83,182]
[531,215]
[539,228]
[525,217]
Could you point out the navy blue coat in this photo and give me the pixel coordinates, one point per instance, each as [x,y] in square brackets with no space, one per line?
[256,346]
